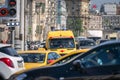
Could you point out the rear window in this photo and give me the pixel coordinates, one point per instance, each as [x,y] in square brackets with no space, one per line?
[9,51]
[87,43]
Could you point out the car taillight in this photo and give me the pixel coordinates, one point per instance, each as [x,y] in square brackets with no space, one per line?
[7,61]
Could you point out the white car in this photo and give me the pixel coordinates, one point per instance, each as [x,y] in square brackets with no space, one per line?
[10,61]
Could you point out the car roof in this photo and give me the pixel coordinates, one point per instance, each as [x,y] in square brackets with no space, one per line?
[110,42]
[34,51]
[106,43]
[102,40]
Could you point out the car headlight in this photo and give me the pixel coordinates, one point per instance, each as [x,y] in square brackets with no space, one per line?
[21,77]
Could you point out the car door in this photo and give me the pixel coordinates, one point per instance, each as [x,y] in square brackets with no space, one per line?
[98,62]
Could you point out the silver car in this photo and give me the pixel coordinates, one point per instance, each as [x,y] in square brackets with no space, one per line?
[10,61]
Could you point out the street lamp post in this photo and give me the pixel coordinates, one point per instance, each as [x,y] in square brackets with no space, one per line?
[12,26]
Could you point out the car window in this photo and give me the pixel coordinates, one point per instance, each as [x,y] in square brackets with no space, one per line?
[34,58]
[64,60]
[9,51]
[53,56]
[107,55]
[62,43]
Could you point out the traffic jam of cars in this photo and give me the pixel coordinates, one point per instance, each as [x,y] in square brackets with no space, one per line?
[99,62]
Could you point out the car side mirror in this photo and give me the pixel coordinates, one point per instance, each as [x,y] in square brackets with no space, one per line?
[77,66]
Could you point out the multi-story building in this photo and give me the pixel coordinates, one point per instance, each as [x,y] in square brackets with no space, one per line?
[109,8]
[42,18]
[40,12]
[58,11]
[95,26]
[61,14]
[85,15]
[50,16]
[118,9]
[77,9]
[110,24]
[110,20]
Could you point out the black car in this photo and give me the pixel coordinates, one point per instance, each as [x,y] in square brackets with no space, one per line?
[99,41]
[86,43]
[104,59]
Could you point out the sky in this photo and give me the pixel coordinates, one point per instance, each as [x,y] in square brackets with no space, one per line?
[99,2]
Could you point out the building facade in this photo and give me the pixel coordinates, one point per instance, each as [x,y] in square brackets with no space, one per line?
[109,8]
[110,20]
[110,24]
[118,9]
[61,14]
[78,9]
[95,26]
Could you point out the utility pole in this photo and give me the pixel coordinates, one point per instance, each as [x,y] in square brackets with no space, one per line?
[22,27]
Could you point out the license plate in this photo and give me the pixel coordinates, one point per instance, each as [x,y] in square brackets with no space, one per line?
[20,64]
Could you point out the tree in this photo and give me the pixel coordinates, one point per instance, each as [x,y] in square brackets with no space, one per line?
[38,29]
[42,5]
[29,30]
[107,23]
[75,24]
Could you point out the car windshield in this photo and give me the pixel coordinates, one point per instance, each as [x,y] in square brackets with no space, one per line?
[9,51]
[62,43]
[33,58]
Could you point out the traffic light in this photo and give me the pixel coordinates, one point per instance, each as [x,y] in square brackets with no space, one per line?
[9,10]
[12,8]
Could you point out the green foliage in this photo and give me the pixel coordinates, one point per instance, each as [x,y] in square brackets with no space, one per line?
[38,5]
[43,7]
[75,25]
[38,29]
[107,22]
[29,30]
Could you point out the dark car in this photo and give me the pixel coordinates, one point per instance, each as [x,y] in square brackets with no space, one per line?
[102,40]
[104,59]
[86,43]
